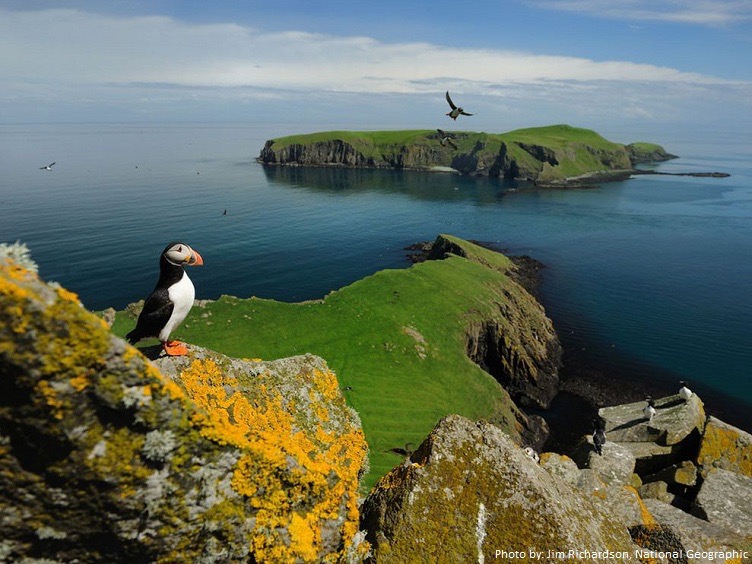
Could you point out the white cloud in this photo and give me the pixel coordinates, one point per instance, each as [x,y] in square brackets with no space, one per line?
[58,61]
[66,47]
[698,12]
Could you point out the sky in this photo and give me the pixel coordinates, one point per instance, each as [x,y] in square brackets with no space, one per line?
[638,65]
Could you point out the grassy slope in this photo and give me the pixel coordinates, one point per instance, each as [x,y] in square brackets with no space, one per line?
[369,333]
[565,140]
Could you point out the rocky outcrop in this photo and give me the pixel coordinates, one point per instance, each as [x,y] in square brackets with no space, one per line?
[726,447]
[646,153]
[686,483]
[105,458]
[469,493]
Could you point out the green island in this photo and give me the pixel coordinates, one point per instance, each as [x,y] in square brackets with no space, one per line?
[405,344]
[552,155]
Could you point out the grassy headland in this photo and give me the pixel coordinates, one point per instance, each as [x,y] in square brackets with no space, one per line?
[397,340]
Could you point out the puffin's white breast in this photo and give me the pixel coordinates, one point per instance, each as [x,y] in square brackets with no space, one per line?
[181,295]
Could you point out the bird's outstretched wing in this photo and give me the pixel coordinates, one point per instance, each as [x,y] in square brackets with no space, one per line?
[451,104]
[464,113]
[442,133]
[49,166]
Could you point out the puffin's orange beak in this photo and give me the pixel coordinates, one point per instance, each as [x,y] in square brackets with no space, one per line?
[195,259]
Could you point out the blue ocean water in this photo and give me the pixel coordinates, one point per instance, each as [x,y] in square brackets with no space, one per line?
[649,277]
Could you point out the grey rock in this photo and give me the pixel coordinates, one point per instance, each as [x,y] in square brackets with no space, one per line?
[682,474]
[656,490]
[673,422]
[615,466]
[561,466]
[651,457]
[696,534]
[725,498]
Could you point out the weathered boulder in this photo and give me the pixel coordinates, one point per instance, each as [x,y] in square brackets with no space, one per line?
[724,446]
[725,498]
[615,466]
[683,474]
[675,421]
[656,490]
[696,534]
[469,491]
[561,466]
[652,457]
[104,458]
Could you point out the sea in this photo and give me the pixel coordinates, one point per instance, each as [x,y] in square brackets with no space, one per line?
[648,280]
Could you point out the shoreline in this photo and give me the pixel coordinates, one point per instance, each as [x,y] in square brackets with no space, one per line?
[587,384]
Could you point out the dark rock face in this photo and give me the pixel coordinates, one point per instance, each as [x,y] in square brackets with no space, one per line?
[329,152]
[543,154]
[525,363]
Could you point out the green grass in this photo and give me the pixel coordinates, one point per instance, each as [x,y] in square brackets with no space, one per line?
[396,341]
[578,151]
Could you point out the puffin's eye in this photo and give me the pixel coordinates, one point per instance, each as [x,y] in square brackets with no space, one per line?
[180,249]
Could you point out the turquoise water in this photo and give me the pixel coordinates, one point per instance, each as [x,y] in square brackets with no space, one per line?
[652,277]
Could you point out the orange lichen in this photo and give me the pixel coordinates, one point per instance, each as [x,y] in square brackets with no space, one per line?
[51,398]
[725,447]
[283,468]
[79,383]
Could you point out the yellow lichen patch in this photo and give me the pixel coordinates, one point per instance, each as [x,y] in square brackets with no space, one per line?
[725,447]
[80,383]
[283,470]
[67,295]
[51,398]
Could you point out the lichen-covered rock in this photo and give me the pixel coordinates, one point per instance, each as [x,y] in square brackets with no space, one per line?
[724,446]
[695,534]
[652,457]
[681,474]
[469,491]
[103,458]
[725,498]
[560,465]
[615,466]
[656,490]
[674,421]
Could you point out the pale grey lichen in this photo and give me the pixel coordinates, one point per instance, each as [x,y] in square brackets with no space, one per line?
[47,532]
[19,253]
[158,445]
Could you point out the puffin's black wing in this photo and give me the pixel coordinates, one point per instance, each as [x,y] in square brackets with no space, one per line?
[464,113]
[155,315]
[451,104]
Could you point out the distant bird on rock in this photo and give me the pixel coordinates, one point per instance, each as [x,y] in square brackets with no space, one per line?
[446,138]
[684,392]
[456,110]
[48,167]
[599,436]
[649,410]
[530,451]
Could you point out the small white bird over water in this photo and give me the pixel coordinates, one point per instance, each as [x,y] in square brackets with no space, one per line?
[48,167]
[684,392]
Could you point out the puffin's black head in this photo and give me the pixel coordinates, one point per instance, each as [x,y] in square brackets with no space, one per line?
[181,254]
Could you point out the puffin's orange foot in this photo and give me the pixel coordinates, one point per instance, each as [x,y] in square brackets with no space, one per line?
[175,348]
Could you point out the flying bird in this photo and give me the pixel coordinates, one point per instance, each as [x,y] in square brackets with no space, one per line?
[446,138]
[48,167]
[684,392]
[170,301]
[456,111]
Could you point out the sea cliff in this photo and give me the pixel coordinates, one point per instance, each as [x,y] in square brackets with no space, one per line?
[553,155]
[107,456]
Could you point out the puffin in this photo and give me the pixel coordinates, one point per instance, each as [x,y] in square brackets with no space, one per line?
[48,167]
[170,301]
[649,410]
[456,111]
[599,436]
[684,392]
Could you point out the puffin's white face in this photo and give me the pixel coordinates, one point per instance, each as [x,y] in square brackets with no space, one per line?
[181,254]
